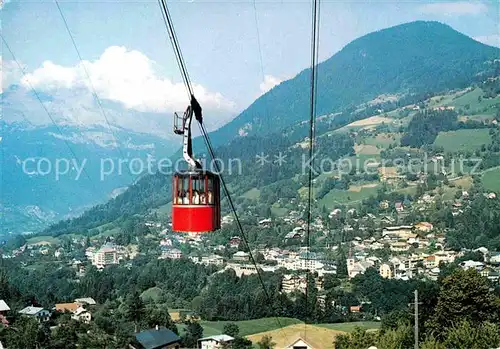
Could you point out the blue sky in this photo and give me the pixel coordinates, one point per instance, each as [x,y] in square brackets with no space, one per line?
[218,38]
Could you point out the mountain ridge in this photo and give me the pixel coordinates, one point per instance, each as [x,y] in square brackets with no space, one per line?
[361,81]
[29,179]
[330,97]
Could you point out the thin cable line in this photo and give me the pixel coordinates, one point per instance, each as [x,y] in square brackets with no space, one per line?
[258,40]
[180,61]
[175,45]
[43,106]
[94,92]
[312,131]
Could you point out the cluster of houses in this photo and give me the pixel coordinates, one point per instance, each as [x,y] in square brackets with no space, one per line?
[80,310]
[108,254]
[402,238]
[163,338]
[405,243]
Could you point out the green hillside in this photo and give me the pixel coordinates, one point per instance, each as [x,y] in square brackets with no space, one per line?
[463,139]
[491,179]
[247,327]
[375,64]
[349,78]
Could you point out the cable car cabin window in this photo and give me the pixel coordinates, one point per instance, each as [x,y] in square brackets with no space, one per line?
[178,190]
[210,190]
[182,191]
[198,189]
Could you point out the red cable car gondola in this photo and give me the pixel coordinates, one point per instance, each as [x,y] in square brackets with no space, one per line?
[195,192]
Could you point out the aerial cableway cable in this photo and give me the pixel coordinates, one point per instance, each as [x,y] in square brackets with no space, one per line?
[312,131]
[44,107]
[197,111]
[91,85]
[258,40]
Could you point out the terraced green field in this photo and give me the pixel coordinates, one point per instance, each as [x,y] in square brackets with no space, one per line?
[253,194]
[472,99]
[350,326]
[383,140]
[43,239]
[336,197]
[248,327]
[491,179]
[463,139]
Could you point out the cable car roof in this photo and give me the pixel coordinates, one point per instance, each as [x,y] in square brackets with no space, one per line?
[194,173]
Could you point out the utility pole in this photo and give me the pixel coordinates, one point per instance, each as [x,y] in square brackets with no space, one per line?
[416,319]
[415,304]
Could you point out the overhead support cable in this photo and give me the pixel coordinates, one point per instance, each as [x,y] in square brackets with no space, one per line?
[312,133]
[180,60]
[258,40]
[91,85]
[37,95]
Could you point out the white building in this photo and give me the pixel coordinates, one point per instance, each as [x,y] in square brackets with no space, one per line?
[300,344]
[3,306]
[241,256]
[106,255]
[215,342]
[171,254]
[81,314]
[213,259]
[291,283]
[39,314]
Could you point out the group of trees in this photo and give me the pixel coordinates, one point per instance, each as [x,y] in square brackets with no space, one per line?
[463,312]
[461,308]
[113,326]
[425,126]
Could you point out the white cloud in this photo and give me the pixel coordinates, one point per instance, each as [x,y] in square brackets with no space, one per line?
[9,73]
[456,8]
[268,83]
[127,77]
[492,40]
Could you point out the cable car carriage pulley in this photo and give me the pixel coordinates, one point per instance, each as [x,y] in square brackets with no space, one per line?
[196,191]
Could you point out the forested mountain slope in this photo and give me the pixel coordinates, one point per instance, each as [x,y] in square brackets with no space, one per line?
[409,58]
[414,59]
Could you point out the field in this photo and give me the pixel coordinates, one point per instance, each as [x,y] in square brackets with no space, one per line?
[366,149]
[341,197]
[43,240]
[316,336]
[359,188]
[367,123]
[491,179]
[472,99]
[248,327]
[477,117]
[374,120]
[152,293]
[350,326]
[408,190]
[278,211]
[164,210]
[463,139]
[465,98]
[464,182]
[253,194]
[256,329]
[383,140]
